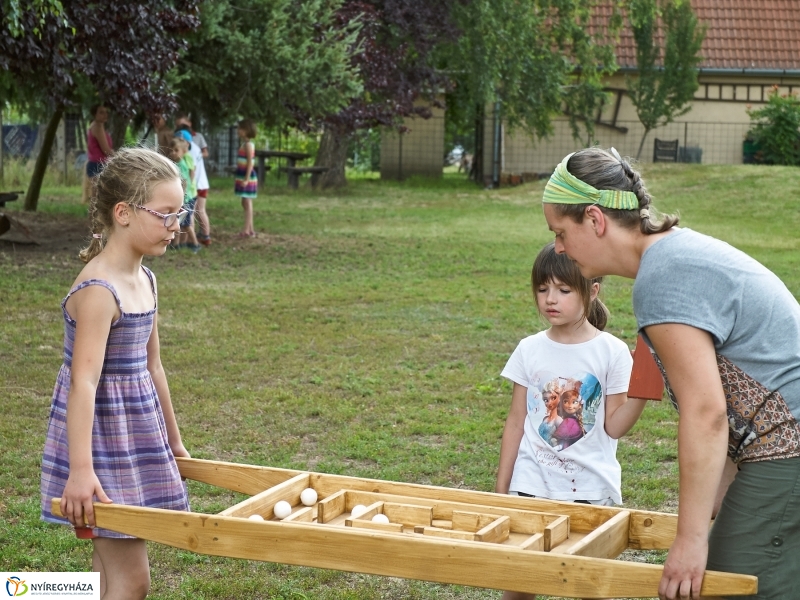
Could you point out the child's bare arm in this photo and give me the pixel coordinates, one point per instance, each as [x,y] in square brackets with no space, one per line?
[622,413]
[512,436]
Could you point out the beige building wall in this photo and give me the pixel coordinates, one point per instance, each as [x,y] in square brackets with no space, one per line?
[714,128]
[419,151]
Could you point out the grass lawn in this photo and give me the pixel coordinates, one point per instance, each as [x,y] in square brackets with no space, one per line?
[362,333]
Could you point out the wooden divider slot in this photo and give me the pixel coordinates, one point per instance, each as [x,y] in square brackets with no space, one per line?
[607,541]
[535,542]
[331,507]
[556,532]
[304,515]
[497,531]
[372,510]
[263,502]
[471,521]
[408,514]
[388,527]
[445,533]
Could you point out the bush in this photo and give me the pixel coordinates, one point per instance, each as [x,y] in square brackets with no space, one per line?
[776,129]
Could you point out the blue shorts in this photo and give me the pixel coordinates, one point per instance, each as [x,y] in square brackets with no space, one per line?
[186,220]
[93,168]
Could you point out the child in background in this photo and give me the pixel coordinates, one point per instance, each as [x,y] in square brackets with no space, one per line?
[570,455]
[112,432]
[179,148]
[99,147]
[246,186]
[164,134]
[203,229]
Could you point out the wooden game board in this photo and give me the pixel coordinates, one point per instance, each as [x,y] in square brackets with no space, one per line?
[434,534]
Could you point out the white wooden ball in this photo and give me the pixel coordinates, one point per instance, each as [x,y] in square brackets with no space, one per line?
[256,518]
[358,509]
[380,518]
[282,509]
[308,496]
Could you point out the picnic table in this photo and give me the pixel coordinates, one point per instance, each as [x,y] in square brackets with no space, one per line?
[292,170]
[8,197]
[291,159]
[7,222]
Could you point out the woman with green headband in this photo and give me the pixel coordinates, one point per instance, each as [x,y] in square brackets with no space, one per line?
[726,332]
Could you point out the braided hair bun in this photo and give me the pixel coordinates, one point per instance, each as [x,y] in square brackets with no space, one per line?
[607,170]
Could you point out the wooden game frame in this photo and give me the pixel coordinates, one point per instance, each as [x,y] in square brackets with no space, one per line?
[436,534]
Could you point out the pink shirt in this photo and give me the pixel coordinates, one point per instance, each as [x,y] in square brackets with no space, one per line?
[94,151]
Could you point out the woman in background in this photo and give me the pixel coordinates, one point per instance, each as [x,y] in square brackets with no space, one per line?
[99,147]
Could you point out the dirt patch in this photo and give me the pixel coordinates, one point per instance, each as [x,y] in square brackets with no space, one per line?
[34,235]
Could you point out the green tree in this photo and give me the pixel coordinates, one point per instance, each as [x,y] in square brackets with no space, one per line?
[664,88]
[121,50]
[14,13]
[264,59]
[531,60]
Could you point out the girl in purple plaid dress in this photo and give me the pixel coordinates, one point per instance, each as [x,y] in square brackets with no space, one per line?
[112,434]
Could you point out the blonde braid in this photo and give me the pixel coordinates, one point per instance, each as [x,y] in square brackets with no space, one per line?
[97,227]
[607,170]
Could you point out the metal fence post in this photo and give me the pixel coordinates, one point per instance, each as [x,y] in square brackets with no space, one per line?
[496,147]
[2,155]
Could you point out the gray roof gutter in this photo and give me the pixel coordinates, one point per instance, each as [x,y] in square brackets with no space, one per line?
[748,72]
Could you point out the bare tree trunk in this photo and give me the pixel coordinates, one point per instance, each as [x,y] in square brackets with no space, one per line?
[641,144]
[332,154]
[118,126]
[40,167]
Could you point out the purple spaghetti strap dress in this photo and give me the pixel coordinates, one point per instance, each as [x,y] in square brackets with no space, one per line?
[131,455]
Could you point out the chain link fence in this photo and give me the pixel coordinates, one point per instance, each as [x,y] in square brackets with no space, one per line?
[697,142]
[491,155]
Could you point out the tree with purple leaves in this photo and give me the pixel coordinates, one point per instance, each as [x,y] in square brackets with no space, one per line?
[529,59]
[119,52]
[396,57]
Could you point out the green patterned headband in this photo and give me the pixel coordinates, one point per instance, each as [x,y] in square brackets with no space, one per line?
[565,188]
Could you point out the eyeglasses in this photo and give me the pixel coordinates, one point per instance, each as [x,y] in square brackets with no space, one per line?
[170,219]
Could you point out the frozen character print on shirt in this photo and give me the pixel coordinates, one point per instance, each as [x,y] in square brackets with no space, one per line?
[565,409]
[570,409]
[550,396]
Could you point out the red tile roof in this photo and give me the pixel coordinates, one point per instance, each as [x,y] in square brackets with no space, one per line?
[752,35]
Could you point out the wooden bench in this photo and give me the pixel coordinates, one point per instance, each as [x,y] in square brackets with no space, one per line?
[8,197]
[294,173]
[665,151]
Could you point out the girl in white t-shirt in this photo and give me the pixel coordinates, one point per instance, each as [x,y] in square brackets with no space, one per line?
[569,403]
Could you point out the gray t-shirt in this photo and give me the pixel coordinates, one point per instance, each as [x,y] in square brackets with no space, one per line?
[690,278]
